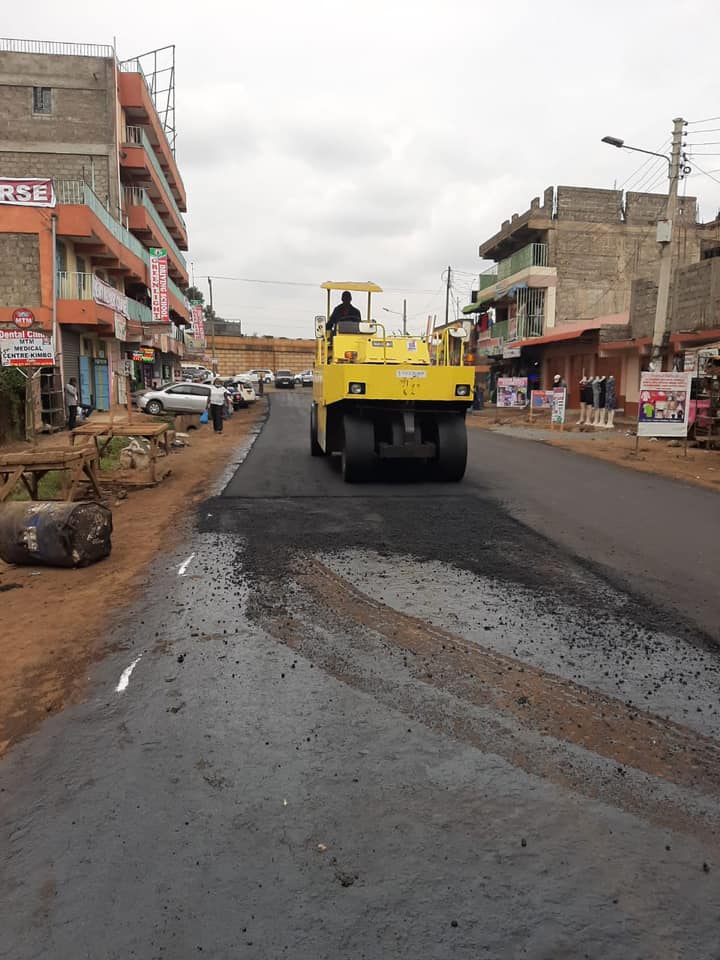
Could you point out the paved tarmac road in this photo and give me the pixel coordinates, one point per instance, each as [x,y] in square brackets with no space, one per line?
[397,720]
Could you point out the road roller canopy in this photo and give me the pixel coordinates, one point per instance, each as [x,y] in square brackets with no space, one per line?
[351,285]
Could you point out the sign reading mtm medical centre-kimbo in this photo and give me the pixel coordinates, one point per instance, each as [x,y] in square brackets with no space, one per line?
[27,192]
[26,348]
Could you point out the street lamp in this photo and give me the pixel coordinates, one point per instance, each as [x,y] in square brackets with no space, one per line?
[620,144]
[664,236]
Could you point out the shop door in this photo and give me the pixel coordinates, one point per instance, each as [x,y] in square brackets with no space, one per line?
[86,384]
[102,388]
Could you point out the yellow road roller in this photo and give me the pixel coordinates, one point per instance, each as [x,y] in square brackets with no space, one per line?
[383,397]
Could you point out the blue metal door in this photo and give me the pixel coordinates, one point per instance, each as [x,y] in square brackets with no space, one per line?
[86,390]
[102,388]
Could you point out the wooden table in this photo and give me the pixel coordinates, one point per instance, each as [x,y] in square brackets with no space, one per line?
[75,465]
[103,433]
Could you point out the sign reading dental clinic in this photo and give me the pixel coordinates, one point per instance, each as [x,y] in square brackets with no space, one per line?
[30,192]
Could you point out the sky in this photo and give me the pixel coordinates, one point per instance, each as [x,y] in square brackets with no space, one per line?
[386,139]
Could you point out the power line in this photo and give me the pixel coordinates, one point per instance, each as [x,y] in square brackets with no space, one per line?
[706,120]
[707,173]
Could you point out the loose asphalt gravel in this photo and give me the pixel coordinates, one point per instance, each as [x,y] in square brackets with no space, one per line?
[397,720]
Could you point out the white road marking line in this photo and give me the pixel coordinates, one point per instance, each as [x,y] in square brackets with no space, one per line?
[125,676]
[184,565]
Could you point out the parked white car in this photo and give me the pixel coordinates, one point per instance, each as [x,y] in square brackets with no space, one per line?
[267,376]
[176,398]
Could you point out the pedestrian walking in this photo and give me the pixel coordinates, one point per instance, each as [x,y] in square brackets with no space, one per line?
[218,400]
[71,402]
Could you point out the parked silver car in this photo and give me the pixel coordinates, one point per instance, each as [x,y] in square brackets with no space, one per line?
[176,398]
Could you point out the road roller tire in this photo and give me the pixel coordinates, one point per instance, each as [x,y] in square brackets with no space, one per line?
[315,449]
[358,453]
[451,439]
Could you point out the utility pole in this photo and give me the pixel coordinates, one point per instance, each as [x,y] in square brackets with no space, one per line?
[447,295]
[404,318]
[664,237]
[212,327]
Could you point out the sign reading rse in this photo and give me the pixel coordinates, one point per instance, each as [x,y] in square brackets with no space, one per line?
[29,192]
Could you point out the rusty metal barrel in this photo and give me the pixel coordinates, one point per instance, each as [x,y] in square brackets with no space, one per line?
[54,534]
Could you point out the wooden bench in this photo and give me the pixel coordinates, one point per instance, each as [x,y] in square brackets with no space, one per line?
[103,432]
[76,466]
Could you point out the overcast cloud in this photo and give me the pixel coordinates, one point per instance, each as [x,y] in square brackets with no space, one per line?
[379,139]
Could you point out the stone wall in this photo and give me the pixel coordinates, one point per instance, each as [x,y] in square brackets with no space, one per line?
[589,204]
[81,123]
[19,270]
[648,208]
[695,297]
[239,354]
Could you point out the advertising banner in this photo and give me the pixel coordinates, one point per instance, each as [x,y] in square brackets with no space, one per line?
[120,327]
[28,192]
[108,296]
[558,401]
[159,285]
[663,410]
[512,392]
[540,400]
[144,355]
[198,323]
[26,348]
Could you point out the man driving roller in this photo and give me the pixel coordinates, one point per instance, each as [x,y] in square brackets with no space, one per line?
[343,311]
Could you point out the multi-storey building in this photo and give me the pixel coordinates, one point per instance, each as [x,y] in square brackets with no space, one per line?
[76,115]
[562,282]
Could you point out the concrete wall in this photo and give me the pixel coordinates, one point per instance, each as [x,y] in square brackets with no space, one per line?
[238,354]
[694,300]
[19,270]
[589,205]
[80,127]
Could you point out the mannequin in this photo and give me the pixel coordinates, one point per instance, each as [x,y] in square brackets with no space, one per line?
[610,401]
[600,422]
[586,400]
[594,417]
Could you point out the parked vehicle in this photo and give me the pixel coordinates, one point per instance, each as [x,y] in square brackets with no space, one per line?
[285,379]
[306,378]
[241,391]
[267,376]
[176,398]
[246,386]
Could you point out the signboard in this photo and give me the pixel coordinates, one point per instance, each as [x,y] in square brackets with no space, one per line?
[558,403]
[511,353]
[512,392]
[144,355]
[663,409]
[26,348]
[120,327]
[28,192]
[690,361]
[108,296]
[540,400]
[159,285]
[23,318]
[198,323]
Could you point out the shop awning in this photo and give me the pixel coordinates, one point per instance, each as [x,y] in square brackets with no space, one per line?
[552,337]
[477,307]
[706,338]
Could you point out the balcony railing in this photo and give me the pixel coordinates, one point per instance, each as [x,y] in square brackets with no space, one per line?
[175,289]
[138,136]
[138,311]
[137,196]
[487,279]
[57,48]
[533,255]
[529,327]
[74,286]
[78,192]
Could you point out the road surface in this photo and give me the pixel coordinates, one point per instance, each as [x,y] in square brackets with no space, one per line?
[396,720]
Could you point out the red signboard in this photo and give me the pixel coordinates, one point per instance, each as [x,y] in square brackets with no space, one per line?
[198,324]
[159,285]
[30,192]
[23,318]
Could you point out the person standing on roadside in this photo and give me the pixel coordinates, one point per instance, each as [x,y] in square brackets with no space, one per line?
[71,402]
[218,400]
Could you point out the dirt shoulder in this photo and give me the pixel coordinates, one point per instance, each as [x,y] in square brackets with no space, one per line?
[699,466]
[53,619]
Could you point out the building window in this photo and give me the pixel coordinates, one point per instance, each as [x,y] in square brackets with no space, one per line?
[42,99]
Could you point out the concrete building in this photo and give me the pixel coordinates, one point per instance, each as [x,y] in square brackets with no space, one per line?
[562,282]
[76,115]
[693,313]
